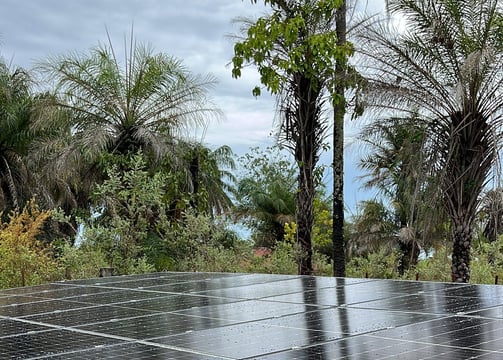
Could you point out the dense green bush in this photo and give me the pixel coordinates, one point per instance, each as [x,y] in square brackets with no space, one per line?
[81,262]
[434,268]
[381,265]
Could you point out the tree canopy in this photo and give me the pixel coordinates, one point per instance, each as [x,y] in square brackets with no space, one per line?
[445,65]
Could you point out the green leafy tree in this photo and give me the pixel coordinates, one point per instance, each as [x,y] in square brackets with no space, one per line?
[323,226]
[446,65]
[133,225]
[202,243]
[130,209]
[295,50]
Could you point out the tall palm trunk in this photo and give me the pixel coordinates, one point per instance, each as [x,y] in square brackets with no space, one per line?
[469,161]
[305,218]
[306,144]
[338,152]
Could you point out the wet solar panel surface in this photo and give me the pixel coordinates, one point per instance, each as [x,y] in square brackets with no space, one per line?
[250,316]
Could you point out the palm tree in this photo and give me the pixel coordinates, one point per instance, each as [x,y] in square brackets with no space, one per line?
[210,181]
[446,65]
[373,229]
[265,196]
[267,209]
[491,210]
[119,108]
[16,136]
[395,166]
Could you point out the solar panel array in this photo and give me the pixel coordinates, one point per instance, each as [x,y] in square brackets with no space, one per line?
[250,316]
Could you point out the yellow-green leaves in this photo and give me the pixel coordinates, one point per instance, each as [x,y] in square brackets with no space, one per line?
[298,37]
[24,259]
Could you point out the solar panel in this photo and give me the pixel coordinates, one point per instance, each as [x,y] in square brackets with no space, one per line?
[250,316]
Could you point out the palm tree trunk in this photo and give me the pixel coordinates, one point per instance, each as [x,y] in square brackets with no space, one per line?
[306,145]
[11,185]
[338,153]
[194,173]
[305,219]
[461,251]
[409,255]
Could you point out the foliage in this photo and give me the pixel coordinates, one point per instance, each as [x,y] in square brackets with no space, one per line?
[373,229]
[212,258]
[132,226]
[379,265]
[283,260]
[296,51]
[128,207]
[491,213]
[125,106]
[433,268]
[197,240]
[396,166]
[265,194]
[81,262]
[24,259]
[488,261]
[295,38]
[106,106]
[16,135]
[322,229]
[445,66]
[206,176]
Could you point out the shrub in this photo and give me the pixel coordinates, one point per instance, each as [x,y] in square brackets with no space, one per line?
[25,260]
[380,265]
[434,268]
[81,262]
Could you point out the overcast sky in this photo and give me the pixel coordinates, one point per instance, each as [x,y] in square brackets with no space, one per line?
[195,31]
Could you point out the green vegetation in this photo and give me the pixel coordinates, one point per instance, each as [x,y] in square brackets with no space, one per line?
[444,69]
[95,173]
[298,55]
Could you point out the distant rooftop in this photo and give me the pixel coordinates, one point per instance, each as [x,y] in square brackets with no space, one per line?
[250,316]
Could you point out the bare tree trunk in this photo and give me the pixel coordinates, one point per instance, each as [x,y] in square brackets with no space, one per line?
[338,153]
